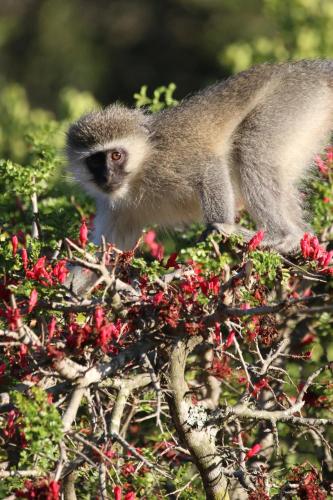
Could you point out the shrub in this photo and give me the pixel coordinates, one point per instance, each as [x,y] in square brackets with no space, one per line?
[186,369]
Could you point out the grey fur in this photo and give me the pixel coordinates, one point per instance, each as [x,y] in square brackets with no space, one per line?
[248,141]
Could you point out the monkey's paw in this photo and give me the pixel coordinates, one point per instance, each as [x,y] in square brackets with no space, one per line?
[226,230]
[289,245]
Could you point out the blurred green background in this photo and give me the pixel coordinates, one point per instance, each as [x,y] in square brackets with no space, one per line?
[61,58]
[112,47]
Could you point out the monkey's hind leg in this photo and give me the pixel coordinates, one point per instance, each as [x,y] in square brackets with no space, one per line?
[273,149]
[293,213]
[276,211]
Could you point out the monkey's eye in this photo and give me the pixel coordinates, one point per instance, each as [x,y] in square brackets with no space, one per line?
[116,155]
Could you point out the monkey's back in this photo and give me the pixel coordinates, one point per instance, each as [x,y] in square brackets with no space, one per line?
[238,94]
[268,104]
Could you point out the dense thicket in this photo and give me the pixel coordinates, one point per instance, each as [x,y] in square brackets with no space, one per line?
[179,369]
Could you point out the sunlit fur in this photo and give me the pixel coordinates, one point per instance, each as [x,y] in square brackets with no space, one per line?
[247,141]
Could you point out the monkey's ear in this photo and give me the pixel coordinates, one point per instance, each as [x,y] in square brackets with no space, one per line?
[147,128]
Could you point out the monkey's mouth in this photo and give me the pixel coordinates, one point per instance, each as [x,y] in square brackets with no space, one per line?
[110,188]
[108,183]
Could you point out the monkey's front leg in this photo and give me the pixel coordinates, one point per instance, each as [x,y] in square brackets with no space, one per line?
[117,225]
[218,203]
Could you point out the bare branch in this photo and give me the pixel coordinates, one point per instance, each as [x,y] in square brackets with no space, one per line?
[72,409]
[246,412]
[137,455]
[125,387]
[69,487]
[19,473]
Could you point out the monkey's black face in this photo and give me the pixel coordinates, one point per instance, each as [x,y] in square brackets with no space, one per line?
[108,168]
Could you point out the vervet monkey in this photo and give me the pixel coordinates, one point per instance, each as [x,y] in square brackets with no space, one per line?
[245,142]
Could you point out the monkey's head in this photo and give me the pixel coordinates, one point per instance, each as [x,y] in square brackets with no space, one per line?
[106,149]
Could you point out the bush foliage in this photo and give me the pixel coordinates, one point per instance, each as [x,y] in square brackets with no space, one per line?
[183,369]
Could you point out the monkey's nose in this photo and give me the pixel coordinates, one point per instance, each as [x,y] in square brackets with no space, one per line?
[109,174]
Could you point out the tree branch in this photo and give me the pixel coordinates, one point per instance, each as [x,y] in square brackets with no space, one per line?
[200,443]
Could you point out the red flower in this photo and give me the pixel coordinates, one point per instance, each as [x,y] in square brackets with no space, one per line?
[9,430]
[78,335]
[308,338]
[128,469]
[193,327]
[149,237]
[172,317]
[220,368]
[130,496]
[311,249]
[117,493]
[23,351]
[83,233]
[107,332]
[253,451]
[33,300]
[189,286]
[51,327]
[109,453]
[322,167]
[230,340]
[104,336]
[13,316]
[156,249]
[171,262]
[305,245]
[327,259]
[54,491]
[217,332]
[43,489]
[255,241]
[54,353]
[99,317]
[25,260]
[60,271]
[158,298]
[14,244]
[258,386]
[39,272]
[212,285]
